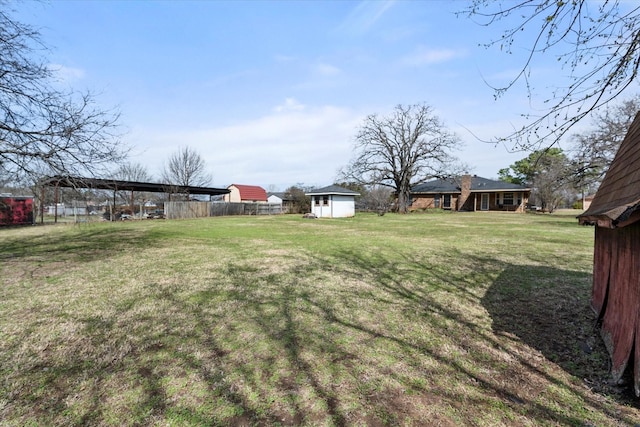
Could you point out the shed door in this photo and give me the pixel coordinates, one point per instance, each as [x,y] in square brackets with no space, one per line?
[484,202]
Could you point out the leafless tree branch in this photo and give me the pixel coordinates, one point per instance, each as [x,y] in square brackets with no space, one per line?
[598,42]
[44,130]
[186,167]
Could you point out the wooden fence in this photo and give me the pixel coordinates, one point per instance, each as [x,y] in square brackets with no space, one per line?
[184,210]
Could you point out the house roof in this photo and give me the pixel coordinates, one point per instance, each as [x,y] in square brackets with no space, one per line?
[331,189]
[617,201]
[436,186]
[251,192]
[478,185]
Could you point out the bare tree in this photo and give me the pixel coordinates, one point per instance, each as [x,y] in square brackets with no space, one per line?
[408,147]
[550,184]
[547,172]
[134,172]
[595,149]
[44,130]
[378,199]
[598,42]
[186,167]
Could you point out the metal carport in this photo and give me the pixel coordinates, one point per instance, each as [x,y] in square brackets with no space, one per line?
[120,185]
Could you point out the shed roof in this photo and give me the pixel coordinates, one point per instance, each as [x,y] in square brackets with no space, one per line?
[478,185]
[251,192]
[332,189]
[617,201]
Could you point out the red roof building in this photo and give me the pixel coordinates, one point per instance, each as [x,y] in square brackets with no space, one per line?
[245,193]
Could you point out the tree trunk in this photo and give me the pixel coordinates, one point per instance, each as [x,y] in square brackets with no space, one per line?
[403,201]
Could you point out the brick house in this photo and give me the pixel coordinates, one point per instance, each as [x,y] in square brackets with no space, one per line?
[469,193]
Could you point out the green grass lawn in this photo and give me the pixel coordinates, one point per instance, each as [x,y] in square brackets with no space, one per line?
[425,319]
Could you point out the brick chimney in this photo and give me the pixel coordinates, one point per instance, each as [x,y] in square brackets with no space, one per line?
[465,192]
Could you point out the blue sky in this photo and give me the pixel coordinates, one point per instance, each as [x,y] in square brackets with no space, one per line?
[272,93]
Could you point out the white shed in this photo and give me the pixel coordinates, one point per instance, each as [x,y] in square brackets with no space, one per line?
[333,202]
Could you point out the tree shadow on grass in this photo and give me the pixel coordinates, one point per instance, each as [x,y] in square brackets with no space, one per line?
[276,347]
[83,244]
[549,310]
[412,281]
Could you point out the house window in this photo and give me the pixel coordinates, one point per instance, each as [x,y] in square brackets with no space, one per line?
[436,201]
[316,200]
[507,199]
[325,200]
[446,203]
[519,201]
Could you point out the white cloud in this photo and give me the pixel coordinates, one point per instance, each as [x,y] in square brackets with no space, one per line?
[327,70]
[294,144]
[67,74]
[302,143]
[290,104]
[427,56]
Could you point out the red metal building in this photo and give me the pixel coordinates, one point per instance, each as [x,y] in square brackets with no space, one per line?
[615,212]
[16,210]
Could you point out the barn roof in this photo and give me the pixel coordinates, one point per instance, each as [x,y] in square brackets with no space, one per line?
[251,192]
[478,184]
[617,201]
[332,189]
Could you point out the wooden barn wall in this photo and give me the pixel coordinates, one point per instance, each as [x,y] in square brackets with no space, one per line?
[616,295]
[601,265]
